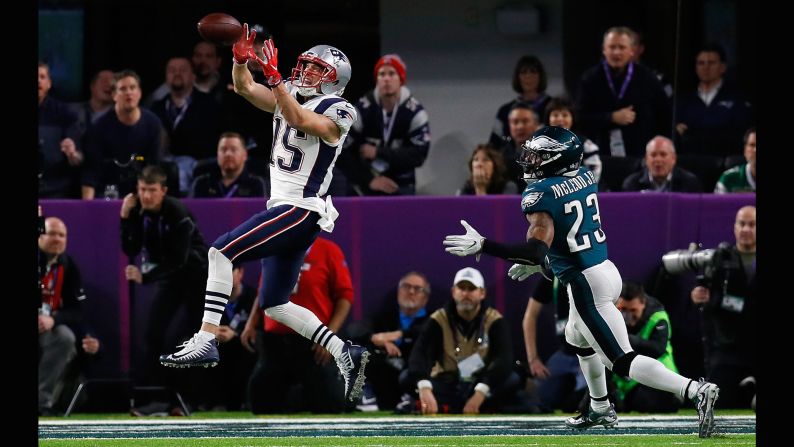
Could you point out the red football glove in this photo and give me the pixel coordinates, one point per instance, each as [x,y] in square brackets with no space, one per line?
[243,49]
[270,64]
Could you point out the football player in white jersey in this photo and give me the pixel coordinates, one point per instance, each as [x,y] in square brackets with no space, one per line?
[310,123]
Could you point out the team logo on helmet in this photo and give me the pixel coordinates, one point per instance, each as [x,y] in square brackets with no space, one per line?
[338,55]
[542,142]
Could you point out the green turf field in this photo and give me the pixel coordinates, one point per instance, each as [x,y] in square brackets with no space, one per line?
[411,441]
[385,429]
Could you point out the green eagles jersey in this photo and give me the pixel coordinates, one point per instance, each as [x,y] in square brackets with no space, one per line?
[579,242]
[735,179]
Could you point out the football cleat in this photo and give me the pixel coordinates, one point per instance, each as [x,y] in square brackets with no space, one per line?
[705,397]
[591,418]
[194,352]
[351,364]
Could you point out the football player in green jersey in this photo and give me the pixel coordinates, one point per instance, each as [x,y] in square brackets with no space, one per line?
[561,204]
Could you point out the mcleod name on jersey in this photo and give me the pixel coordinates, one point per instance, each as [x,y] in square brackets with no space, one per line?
[572,202]
[301,164]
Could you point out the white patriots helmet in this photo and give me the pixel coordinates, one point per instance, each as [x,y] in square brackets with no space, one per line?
[336,71]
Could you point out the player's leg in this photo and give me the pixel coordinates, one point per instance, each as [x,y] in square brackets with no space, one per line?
[593,295]
[600,411]
[280,274]
[261,235]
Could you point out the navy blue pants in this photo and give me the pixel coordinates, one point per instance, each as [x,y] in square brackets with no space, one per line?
[279,237]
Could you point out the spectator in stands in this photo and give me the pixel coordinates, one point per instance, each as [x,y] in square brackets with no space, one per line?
[560,112]
[173,256]
[293,373]
[390,336]
[191,119]
[727,301]
[523,122]
[60,312]
[238,356]
[116,137]
[710,119]
[59,136]
[101,100]
[649,334]
[233,179]
[391,137]
[740,178]
[206,64]
[560,382]
[621,103]
[462,362]
[529,81]
[487,173]
[660,174]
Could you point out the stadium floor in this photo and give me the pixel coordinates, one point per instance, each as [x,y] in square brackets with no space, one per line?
[438,426]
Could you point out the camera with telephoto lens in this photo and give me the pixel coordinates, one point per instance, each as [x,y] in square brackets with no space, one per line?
[706,263]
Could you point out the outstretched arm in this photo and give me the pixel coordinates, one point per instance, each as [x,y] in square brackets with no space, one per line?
[244,85]
[533,252]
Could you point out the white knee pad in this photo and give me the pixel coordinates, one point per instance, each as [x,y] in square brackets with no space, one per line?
[220,272]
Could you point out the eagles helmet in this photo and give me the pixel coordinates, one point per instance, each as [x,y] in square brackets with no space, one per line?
[336,71]
[550,152]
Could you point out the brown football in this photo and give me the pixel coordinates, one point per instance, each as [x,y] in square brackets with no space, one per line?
[220,28]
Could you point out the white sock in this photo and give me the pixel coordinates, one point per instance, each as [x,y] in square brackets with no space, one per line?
[596,378]
[219,287]
[652,373]
[206,336]
[304,322]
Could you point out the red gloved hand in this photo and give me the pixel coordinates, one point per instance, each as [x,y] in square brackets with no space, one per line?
[270,64]
[243,49]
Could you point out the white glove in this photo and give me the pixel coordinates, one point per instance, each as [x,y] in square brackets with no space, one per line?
[520,272]
[465,244]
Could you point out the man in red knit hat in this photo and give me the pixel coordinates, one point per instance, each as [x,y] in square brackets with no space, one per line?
[390,139]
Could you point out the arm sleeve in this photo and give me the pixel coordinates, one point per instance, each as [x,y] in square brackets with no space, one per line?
[500,355]
[89,172]
[343,114]
[532,252]
[72,293]
[425,352]
[656,343]
[592,118]
[131,233]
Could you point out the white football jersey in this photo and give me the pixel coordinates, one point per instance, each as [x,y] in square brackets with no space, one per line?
[301,165]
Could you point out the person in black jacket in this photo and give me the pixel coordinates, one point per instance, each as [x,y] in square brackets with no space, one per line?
[59,311]
[622,104]
[462,362]
[660,174]
[174,256]
[728,306]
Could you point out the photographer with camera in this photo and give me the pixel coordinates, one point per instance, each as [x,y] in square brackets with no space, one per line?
[174,256]
[725,296]
[727,300]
